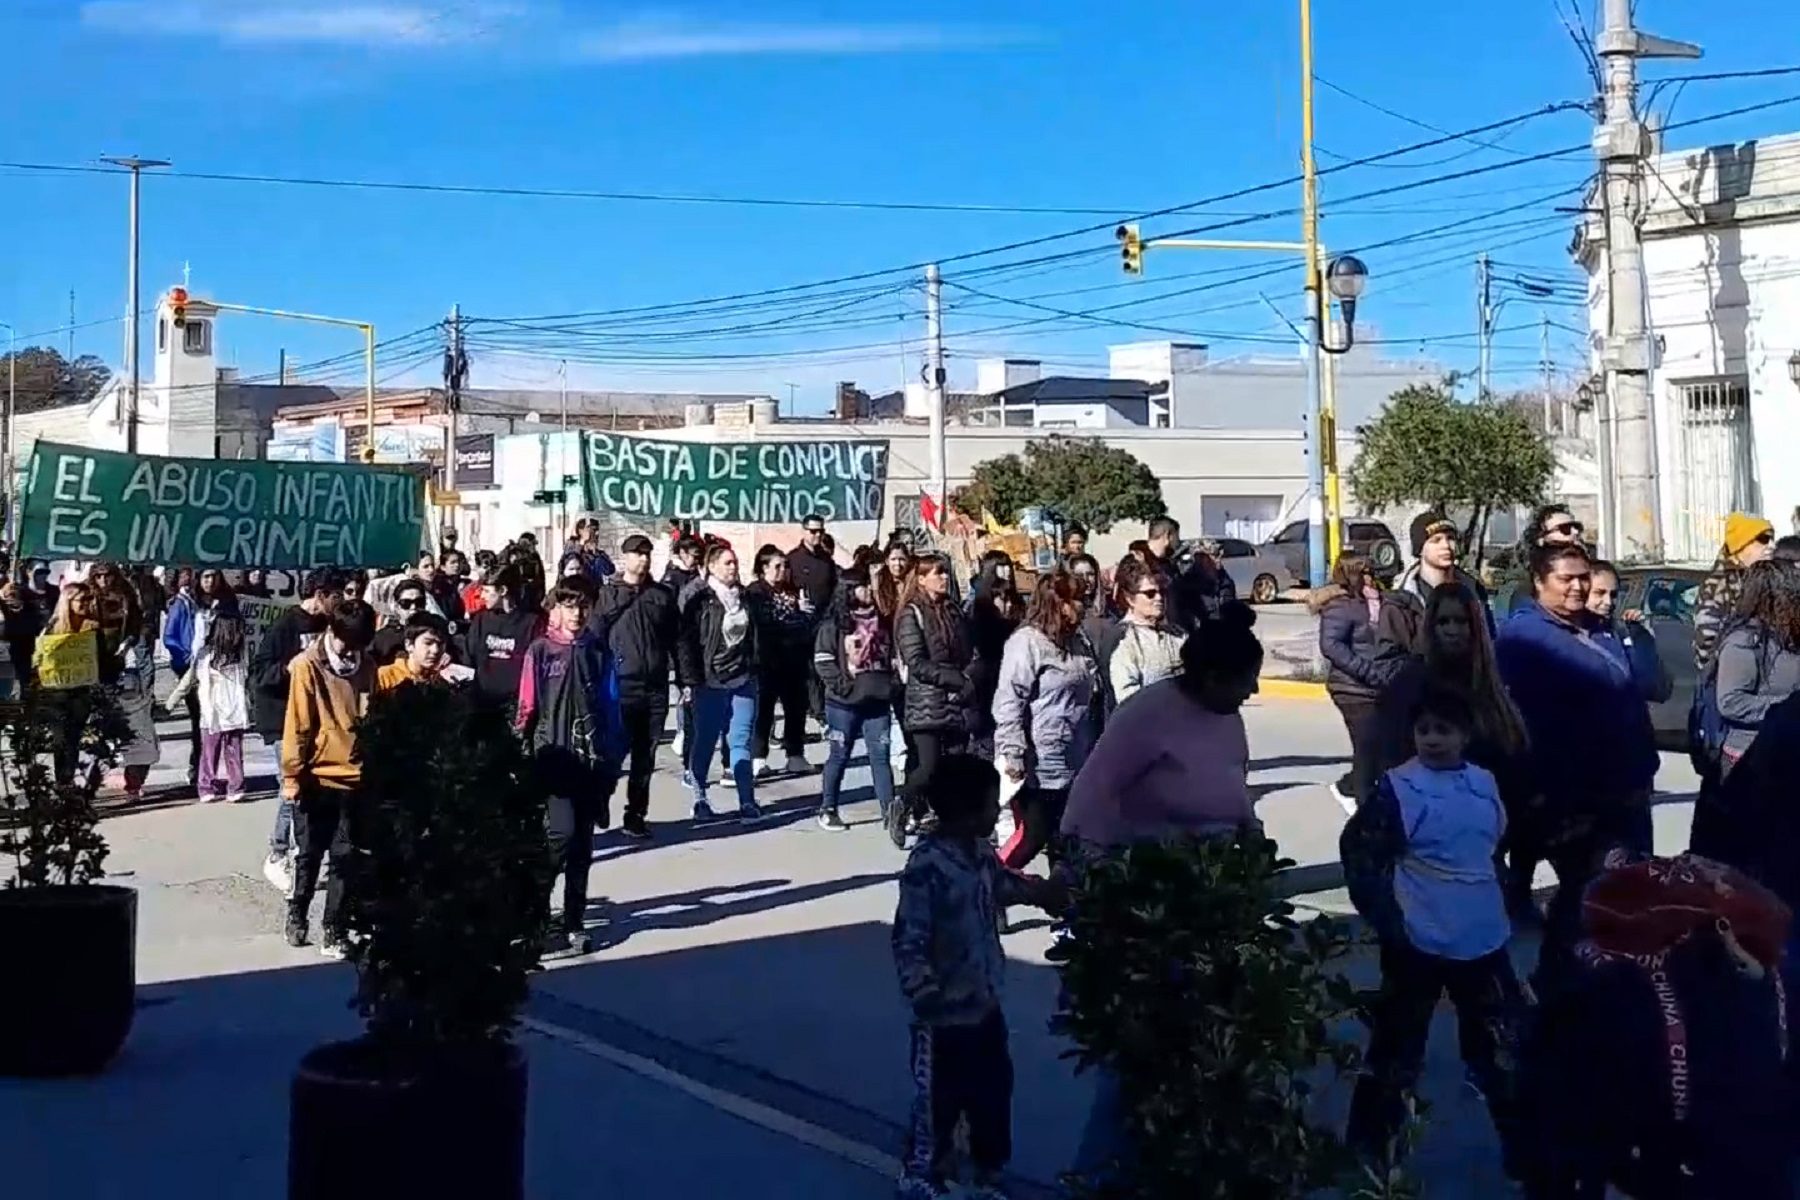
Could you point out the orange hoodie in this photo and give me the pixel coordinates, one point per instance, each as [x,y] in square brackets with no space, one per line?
[318,740]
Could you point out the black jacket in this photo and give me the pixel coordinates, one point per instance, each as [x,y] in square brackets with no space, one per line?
[638,623]
[1198,589]
[495,645]
[677,578]
[988,631]
[292,632]
[703,659]
[937,652]
[814,574]
[784,634]
[871,689]
[1601,1080]
[1362,662]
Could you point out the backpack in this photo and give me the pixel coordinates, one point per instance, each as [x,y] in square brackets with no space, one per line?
[1706,724]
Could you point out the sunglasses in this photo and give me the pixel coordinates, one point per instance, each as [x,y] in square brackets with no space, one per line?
[409,604]
[1150,593]
[1569,528]
[1765,537]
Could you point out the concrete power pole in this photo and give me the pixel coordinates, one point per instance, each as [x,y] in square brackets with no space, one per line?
[934,380]
[1621,144]
[1544,364]
[1484,300]
[136,167]
[456,368]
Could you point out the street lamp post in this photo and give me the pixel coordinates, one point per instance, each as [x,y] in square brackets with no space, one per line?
[136,167]
[1794,367]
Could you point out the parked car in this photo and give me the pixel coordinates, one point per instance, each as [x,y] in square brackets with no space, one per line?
[1666,597]
[1260,577]
[1361,535]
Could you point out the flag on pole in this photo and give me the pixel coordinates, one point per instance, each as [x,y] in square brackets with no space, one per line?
[929,512]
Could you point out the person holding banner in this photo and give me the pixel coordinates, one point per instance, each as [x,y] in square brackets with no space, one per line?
[67,663]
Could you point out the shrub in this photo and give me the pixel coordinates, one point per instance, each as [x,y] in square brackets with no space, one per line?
[1189,978]
[51,831]
[448,893]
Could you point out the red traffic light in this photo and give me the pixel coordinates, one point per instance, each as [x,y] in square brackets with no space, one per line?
[178,295]
[178,299]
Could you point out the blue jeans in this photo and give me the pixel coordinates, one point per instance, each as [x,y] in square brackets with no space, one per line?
[283,836]
[843,725]
[732,710]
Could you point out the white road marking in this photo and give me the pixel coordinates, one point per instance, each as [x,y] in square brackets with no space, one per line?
[772,1119]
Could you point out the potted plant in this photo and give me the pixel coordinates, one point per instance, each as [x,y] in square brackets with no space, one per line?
[446,897]
[69,943]
[1191,985]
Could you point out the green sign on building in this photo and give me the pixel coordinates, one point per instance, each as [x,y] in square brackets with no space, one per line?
[140,508]
[762,483]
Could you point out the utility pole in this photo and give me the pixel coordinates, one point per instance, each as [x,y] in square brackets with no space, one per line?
[281,367]
[136,167]
[71,324]
[934,380]
[1544,363]
[792,389]
[456,370]
[1484,300]
[1621,143]
[1318,542]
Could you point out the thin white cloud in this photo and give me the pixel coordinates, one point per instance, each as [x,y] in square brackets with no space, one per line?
[529,27]
[654,39]
[379,23]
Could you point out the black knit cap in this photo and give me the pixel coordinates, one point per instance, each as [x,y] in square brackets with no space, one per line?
[1428,525]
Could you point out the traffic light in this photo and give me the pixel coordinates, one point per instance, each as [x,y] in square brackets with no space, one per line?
[1131,249]
[178,299]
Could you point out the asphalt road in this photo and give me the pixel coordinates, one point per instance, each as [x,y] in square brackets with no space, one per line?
[737,1031]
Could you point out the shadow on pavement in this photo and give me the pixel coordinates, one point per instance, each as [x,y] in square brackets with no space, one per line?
[617,922]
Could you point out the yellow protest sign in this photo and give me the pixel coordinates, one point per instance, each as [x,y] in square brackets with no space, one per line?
[68,660]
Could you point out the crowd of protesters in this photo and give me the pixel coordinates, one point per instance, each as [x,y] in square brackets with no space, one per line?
[1073,709]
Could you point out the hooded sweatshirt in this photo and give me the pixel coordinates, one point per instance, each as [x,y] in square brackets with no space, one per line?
[495,646]
[329,695]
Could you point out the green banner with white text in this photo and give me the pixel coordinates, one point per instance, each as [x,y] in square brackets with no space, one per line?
[142,508]
[759,483]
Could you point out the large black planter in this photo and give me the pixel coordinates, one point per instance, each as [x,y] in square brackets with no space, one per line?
[369,1122]
[68,987]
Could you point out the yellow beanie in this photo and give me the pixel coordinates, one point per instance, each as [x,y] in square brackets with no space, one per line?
[1741,529]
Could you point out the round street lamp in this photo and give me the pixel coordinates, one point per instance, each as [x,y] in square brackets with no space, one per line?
[1794,367]
[1346,276]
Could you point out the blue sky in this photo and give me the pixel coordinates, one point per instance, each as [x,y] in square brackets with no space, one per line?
[1121,107]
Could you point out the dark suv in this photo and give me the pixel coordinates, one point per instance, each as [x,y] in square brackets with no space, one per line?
[1371,539]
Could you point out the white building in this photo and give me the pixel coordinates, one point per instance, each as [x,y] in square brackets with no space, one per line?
[1721,230]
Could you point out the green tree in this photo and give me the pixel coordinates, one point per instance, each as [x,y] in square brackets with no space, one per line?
[1082,479]
[1428,447]
[45,379]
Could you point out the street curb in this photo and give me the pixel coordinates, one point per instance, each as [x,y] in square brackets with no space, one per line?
[1291,689]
